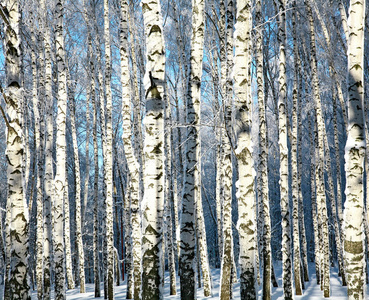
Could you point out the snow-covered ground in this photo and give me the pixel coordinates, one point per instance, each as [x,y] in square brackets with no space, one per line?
[312,290]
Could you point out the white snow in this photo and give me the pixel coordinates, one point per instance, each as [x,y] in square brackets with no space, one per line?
[312,290]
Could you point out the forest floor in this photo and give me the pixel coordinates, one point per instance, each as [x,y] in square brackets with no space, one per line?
[312,290]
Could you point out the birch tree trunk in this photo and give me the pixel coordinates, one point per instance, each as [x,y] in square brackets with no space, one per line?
[96,181]
[220,173]
[60,176]
[283,150]
[132,161]
[201,233]
[219,193]
[355,155]
[263,167]
[38,156]
[153,200]
[187,255]
[304,253]
[89,94]
[18,279]
[48,152]
[316,224]
[67,241]
[109,157]
[79,242]
[339,191]
[321,131]
[295,186]
[245,185]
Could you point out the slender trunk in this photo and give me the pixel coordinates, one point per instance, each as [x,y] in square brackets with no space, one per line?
[18,280]
[313,200]
[339,193]
[153,200]
[132,161]
[109,157]
[343,19]
[60,176]
[245,184]
[48,153]
[263,156]
[128,243]
[283,149]
[321,130]
[200,228]
[67,241]
[79,242]
[187,255]
[295,192]
[38,157]
[96,185]
[305,270]
[169,196]
[219,193]
[355,155]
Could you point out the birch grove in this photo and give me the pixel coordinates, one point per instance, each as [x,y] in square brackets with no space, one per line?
[184,149]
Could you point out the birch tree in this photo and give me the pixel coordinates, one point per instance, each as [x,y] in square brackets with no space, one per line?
[45,32]
[226,284]
[263,156]
[153,200]
[245,184]
[109,157]
[295,186]
[79,242]
[132,162]
[355,155]
[60,176]
[39,171]
[283,152]
[187,246]
[18,275]
[321,131]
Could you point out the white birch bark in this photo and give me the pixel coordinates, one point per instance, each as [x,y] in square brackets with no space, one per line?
[60,176]
[321,130]
[132,161]
[245,185]
[355,155]
[169,202]
[295,185]
[45,30]
[109,157]
[89,92]
[200,228]
[102,97]
[38,157]
[18,279]
[96,183]
[128,244]
[226,284]
[67,239]
[78,199]
[187,256]
[339,191]
[333,196]
[219,194]
[263,156]
[136,81]
[201,234]
[313,199]
[343,19]
[283,150]
[304,253]
[153,200]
